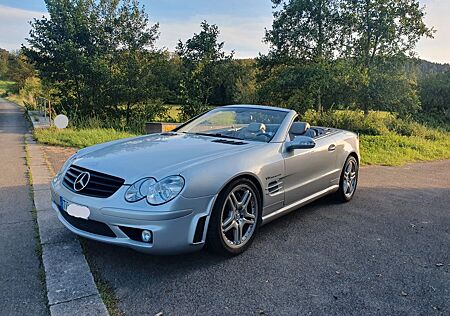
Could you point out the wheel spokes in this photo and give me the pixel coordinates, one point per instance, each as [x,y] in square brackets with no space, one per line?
[228,223]
[349,182]
[239,215]
[233,200]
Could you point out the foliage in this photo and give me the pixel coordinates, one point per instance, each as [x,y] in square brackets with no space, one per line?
[97,62]
[379,31]
[386,139]
[209,74]
[434,93]
[374,123]
[305,35]
[317,43]
[99,58]
[78,137]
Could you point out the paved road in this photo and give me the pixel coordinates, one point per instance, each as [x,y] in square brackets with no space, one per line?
[387,252]
[21,290]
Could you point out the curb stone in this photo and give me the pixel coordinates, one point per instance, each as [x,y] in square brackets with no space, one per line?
[71,289]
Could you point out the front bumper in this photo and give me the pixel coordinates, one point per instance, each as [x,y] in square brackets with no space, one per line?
[177,227]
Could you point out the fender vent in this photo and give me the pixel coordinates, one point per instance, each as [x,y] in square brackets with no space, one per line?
[229,142]
[198,236]
[274,187]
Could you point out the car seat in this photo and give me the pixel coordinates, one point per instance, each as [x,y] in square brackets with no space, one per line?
[301,129]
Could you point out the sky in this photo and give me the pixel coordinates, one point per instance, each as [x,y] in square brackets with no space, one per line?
[241,23]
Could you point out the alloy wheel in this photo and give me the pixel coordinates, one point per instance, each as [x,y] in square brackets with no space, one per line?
[350,177]
[239,216]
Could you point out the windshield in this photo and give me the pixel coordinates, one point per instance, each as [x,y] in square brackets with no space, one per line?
[237,123]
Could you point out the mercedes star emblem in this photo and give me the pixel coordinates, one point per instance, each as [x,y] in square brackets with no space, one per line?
[81,181]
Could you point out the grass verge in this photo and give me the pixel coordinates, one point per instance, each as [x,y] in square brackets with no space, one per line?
[396,150]
[78,137]
[6,86]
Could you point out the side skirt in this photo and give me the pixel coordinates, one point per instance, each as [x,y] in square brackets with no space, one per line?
[289,208]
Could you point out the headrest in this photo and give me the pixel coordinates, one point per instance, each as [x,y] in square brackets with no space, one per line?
[299,128]
[255,127]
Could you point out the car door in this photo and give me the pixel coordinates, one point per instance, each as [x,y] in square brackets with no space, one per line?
[308,171]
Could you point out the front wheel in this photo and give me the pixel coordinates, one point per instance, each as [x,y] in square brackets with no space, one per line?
[235,218]
[348,180]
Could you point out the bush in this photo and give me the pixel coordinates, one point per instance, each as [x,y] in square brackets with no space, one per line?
[375,123]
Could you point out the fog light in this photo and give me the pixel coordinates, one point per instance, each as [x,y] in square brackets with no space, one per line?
[146,236]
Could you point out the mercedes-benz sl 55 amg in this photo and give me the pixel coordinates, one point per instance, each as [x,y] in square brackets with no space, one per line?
[212,181]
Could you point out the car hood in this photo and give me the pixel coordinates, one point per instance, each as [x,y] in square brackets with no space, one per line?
[157,155]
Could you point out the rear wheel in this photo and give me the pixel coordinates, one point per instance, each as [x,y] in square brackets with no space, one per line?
[235,218]
[348,180]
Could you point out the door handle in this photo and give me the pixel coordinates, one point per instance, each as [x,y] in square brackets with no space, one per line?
[332,147]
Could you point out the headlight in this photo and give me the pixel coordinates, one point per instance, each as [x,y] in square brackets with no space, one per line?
[139,190]
[165,190]
[157,192]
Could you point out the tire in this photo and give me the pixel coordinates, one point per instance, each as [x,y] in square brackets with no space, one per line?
[235,218]
[349,176]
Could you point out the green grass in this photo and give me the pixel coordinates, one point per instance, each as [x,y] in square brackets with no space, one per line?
[396,150]
[78,137]
[6,87]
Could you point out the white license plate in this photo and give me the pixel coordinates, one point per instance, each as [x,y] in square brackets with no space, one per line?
[75,210]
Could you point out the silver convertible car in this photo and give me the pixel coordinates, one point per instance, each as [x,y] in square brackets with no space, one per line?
[212,181]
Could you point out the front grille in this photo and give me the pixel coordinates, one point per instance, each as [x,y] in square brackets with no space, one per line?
[88,225]
[100,185]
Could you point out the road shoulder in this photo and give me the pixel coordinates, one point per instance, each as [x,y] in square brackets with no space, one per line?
[71,289]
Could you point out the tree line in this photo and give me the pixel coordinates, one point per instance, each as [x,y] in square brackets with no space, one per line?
[98,58]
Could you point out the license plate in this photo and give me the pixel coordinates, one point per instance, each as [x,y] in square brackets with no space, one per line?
[75,210]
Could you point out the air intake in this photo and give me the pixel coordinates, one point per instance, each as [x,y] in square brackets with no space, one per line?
[274,187]
[229,142]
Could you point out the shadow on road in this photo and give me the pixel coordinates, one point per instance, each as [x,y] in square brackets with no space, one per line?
[327,257]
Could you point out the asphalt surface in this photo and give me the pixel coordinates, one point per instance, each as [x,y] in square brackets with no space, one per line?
[22,293]
[387,252]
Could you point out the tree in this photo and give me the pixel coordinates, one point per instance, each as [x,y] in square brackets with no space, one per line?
[205,67]
[306,32]
[96,54]
[132,73]
[434,93]
[4,57]
[19,69]
[377,31]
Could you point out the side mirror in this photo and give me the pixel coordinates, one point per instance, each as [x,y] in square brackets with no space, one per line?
[300,142]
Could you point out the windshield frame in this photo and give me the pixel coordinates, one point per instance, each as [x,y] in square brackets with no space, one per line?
[275,138]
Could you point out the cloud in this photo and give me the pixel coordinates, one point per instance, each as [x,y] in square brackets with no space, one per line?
[437,49]
[243,35]
[14,26]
